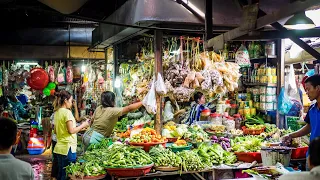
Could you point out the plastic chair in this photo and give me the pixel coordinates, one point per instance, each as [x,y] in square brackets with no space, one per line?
[15,146]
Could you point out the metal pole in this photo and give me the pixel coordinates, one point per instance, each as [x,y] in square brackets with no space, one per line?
[106,64]
[280,45]
[158,69]
[208,20]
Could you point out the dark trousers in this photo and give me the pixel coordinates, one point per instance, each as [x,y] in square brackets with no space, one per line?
[63,162]
[54,168]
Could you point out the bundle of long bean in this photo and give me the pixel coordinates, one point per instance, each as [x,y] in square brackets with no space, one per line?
[191,161]
[122,156]
[164,157]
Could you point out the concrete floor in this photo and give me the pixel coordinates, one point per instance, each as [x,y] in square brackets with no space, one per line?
[41,165]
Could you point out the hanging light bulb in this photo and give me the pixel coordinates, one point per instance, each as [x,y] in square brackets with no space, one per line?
[299,21]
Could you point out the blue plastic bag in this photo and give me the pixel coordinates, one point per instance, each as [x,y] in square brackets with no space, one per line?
[284,102]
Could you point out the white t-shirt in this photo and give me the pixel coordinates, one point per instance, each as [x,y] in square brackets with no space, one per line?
[314,174]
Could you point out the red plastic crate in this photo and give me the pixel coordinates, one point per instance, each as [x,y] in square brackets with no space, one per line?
[249,157]
[299,153]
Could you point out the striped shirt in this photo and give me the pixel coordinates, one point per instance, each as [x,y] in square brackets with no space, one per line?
[195,112]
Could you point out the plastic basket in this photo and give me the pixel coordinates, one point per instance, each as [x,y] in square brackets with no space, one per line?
[130,172]
[299,153]
[177,149]
[172,140]
[147,146]
[252,131]
[249,157]
[35,151]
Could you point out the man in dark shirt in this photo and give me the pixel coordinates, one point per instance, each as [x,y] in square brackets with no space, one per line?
[10,167]
[312,86]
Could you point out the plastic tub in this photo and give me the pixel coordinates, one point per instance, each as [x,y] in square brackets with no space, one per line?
[35,151]
[130,172]
[299,153]
[272,157]
[249,157]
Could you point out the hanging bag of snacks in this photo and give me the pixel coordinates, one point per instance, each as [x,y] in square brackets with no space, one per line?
[242,57]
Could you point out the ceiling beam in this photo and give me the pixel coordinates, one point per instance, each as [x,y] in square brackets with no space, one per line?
[185,5]
[217,42]
[274,34]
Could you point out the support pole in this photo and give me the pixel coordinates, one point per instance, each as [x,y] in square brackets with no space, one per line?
[280,45]
[106,64]
[158,69]
[208,20]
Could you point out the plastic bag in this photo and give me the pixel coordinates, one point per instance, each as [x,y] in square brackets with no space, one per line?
[242,57]
[0,75]
[61,77]
[168,112]
[149,102]
[5,76]
[284,102]
[51,73]
[69,74]
[160,86]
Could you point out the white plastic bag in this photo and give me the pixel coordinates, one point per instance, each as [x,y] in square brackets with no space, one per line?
[160,86]
[149,102]
[168,112]
[242,57]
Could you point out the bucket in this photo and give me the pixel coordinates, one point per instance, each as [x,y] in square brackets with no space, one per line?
[272,157]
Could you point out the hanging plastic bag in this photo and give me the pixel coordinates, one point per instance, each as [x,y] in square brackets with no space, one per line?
[284,102]
[160,86]
[91,74]
[51,73]
[242,57]
[5,76]
[61,77]
[69,73]
[100,79]
[149,102]
[168,112]
[294,94]
[0,75]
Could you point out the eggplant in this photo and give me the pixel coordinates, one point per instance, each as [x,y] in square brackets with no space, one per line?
[214,138]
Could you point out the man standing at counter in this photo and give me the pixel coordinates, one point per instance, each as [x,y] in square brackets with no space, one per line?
[312,87]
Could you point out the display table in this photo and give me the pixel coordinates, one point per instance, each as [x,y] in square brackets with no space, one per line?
[198,175]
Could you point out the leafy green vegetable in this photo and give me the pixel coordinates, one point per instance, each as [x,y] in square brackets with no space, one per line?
[121,126]
[246,144]
[135,115]
[88,168]
[215,154]
[195,134]
[103,144]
